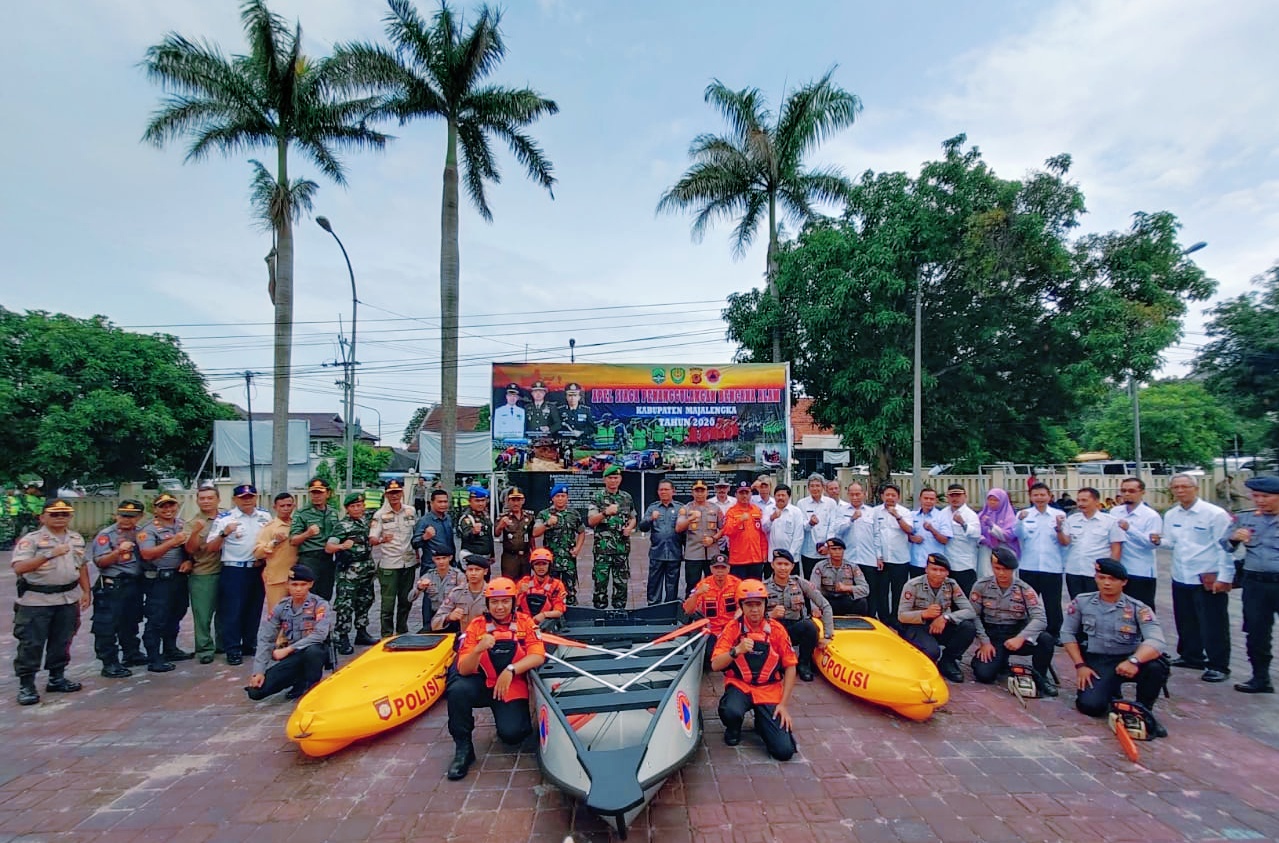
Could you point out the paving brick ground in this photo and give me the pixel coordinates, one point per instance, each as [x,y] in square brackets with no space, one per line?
[184,757]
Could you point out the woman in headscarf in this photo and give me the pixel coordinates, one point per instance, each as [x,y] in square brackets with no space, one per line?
[998,522]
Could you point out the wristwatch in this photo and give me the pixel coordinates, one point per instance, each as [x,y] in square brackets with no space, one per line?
[1135,660]
[511,668]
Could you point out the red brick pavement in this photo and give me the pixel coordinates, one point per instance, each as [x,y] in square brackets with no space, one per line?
[185,757]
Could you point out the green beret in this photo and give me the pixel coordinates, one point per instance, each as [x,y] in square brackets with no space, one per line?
[354,497]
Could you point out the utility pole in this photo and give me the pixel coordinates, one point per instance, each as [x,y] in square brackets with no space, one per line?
[248,399]
[917,435]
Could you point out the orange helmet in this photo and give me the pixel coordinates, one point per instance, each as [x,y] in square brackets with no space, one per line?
[499,587]
[751,590]
[541,554]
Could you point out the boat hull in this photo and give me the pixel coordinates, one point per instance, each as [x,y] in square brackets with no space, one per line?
[868,660]
[389,684]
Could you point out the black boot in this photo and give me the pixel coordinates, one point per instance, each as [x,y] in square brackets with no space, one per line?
[344,645]
[172,653]
[363,638]
[60,684]
[951,670]
[805,671]
[1047,686]
[27,694]
[463,758]
[115,670]
[1258,684]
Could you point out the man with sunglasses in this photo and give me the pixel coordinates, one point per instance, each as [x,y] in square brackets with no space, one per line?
[117,596]
[162,546]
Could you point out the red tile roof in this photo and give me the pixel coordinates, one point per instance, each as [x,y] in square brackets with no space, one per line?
[802,423]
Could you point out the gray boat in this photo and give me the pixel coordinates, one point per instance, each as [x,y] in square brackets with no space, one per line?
[617,706]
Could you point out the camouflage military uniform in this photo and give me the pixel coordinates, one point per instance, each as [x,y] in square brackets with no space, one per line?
[356,571]
[560,540]
[611,549]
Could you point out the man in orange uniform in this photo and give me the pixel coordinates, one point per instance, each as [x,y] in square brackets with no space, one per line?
[494,653]
[541,596]
[758,661]
[715,598]
[747,541]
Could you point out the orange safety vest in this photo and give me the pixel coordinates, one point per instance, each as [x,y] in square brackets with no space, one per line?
[762,665]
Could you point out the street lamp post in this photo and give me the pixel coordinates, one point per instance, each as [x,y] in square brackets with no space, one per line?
[348,428]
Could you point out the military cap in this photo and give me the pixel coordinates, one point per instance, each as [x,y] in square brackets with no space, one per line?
[559,487]
[939,559]
[354,497]
[1265,485]
[573,386]
[1005,556]
[245,490]
[394,486]
[612,469]
[723,481]
[317,483]
[538,385]
[512,389]
[783,553]
[57,506]
[163,497]
[700,484]
[130,507]
[302,573]
[1112,568]
[719,559]
[514,492]
[835,541]
[474,560]
[477,491]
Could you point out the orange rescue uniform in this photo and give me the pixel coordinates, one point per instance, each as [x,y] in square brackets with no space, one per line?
[744,529]
[519,629]
[739,674]
[549,595]
[719,603]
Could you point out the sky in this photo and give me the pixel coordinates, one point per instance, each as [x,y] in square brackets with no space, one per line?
[1163,105]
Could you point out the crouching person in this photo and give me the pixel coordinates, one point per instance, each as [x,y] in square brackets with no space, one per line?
[758,662]
[1011,621]
[496,650]
[292,641]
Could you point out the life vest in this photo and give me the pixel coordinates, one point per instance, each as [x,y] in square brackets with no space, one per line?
[508,649]
[534,600]
[762,665]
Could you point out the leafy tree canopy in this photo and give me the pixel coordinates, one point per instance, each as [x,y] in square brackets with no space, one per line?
[1181,424]
[1021,326]
[83,400]
[414,425]
[369,462]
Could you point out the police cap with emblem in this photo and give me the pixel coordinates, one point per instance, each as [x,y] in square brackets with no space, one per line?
[301,573]
[394,486]
[512,389]
[58,507]
[130,507]
[162,498]
[1112,568]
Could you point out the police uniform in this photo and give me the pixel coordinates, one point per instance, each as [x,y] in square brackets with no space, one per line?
[611,548]
[473,602]
[311,552]
[1260,585]
[355,572]
[576,423]
[438,587]
[1114,632]
[517,540]
[827,577]
[753,682]
[305,628]
[947,648]
[560,538]
[701,522]
[799,599]
[165,587]
[117,597]
[46,614]
[1007,613]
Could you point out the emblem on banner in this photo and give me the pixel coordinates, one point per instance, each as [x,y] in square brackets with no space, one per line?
[659,376]
[677,375]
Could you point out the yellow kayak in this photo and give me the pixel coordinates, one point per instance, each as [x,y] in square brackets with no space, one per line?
[872,662]
[390,683]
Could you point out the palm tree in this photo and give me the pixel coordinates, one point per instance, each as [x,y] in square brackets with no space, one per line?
[438,71]
[758,167]
[274,98]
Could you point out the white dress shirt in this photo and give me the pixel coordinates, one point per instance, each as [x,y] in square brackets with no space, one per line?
[814,534]
[1195,536]
[894,545]
[962,550]
[1040,550]
[860,535]
[1090,540]
[786,532]
[1139,552]
[939,517]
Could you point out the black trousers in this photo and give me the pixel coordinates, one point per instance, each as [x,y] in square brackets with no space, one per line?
[663,580]
[1141,588]
[1203,625]
[898,576]
[1077,584]
[467,693]
[846,604]
[966,580]
[325,570]
[1048,587]
[167,600]
[297,671]
[803,634]
[1260,603]
[240,598]
[877,600]
[117,611]
[807,564]
[1095,700]
[1040,651]
[752,571]
[694,570]
[733,706]
[951,644]
[44,633]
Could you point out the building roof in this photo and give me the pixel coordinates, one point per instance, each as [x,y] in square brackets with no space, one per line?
[323,425]
[802,423]
[467,419]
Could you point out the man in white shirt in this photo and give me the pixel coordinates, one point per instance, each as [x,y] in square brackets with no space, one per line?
[892,535]
[508,420]
[858,532]
[1043,564]
[930,529]
[240,589]
[1139,522]
[784,524]
[966,536]
[832,492]
[1090,534]
[819,522]
[722,499]
[1202,573]
[763,494]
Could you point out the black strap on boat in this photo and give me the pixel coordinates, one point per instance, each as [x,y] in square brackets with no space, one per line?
[606,665]
[600,700]
[413,642]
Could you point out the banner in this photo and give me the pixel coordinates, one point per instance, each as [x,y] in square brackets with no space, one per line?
[585,417]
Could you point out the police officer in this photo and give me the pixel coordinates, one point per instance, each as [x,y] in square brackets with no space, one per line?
[841,582]
[698,522]
[465,602]
[563,533]
[540,418]
[541,596]
[117,595]
[1124,644]
[311,527]
[474,526]
[1010,621]
[1257,538]
[292,641]
[936,616]
[355,570]
[759,663]
[162,546]
[515,528]
[436,583]
[391,535]
[792,601]
[496,650]
[53,589]
[612,516]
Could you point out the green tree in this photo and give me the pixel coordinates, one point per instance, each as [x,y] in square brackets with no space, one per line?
[438,71]
[1015,341]
[368,463]
[757,171]
[483,417]
[83,400]
[415,424]
[1241,363]
[1181,424]
[272,97]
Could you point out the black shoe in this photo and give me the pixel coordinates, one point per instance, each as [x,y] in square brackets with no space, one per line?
[1189,663]
[463,758]
[363,638]
[235,659]
[255,694]
[732,737]
[1211,675]
[206,659]
[344,646]
[62,685]
[1255,685]
[27,694]
[160,667]
[135,660]
[1156,728]
[950,669]
[294,694]
[1047,686]
[176,655]
[116,671]
[805,672]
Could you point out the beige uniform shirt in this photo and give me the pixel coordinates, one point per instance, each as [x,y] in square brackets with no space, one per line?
[273,545]
[203,560]
[394,534]
[60,570]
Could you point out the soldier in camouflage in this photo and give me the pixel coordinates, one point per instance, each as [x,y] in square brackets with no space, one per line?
[612,516]
[355,571]
[562,532]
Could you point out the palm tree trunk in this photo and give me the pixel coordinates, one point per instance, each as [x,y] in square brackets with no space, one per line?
[772,278]
[450,271]
[283,337]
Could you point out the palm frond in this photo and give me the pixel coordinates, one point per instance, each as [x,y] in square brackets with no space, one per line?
[477,166]
[755,210]
[272,202]
[481,51]
[264,30]
[746,110]
[811,114]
